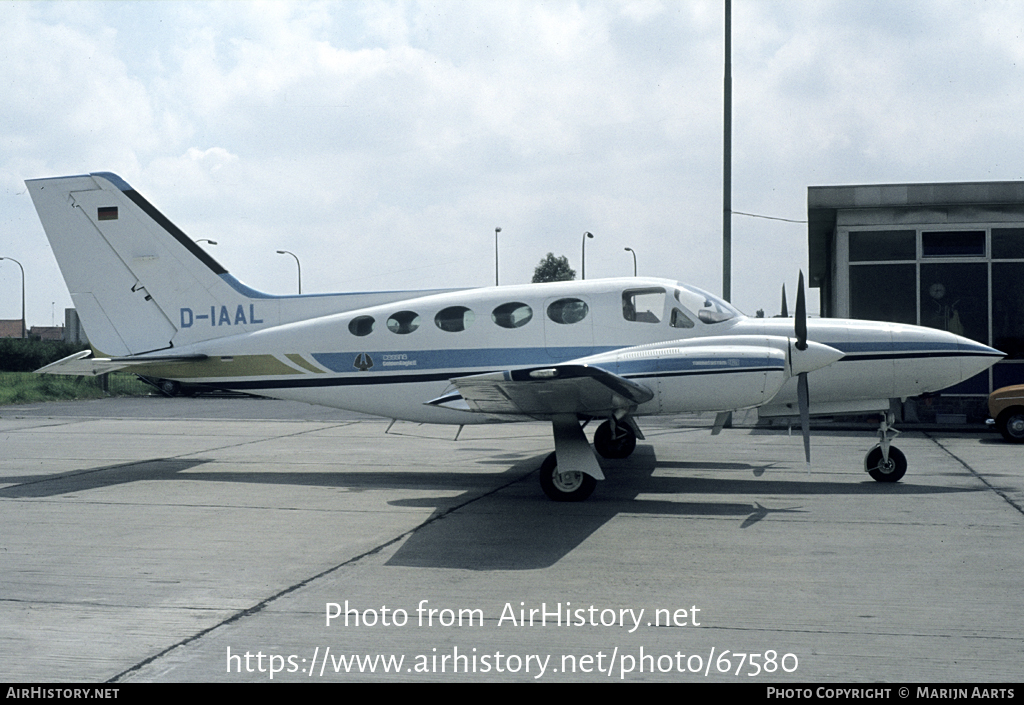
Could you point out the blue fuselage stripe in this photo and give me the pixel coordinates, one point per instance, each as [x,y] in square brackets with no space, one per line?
[422,366]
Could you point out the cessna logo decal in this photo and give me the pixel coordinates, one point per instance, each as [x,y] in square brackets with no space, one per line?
[363,362]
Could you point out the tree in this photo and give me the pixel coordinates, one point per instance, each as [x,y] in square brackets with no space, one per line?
[553,269]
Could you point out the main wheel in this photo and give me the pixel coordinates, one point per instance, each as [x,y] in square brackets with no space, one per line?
[886,471]
[611,446]
[564,486]
[169,387]
[1011,424]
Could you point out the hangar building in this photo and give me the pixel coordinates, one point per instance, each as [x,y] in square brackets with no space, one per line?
[947,256]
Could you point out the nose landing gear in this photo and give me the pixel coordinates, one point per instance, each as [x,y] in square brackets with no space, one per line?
[886,462]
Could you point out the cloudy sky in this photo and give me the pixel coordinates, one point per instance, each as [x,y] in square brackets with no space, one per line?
[383,142]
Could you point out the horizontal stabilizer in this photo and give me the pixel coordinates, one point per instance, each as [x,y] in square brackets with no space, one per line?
[83,364]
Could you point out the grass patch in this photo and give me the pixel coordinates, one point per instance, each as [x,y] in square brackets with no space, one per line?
[28,387]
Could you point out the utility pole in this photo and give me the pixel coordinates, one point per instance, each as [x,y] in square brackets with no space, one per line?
[727,162]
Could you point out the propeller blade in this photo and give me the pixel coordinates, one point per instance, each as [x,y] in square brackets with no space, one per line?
[785,306]
[800,320]
[803,397]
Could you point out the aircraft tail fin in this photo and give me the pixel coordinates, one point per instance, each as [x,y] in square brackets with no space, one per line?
[138,282]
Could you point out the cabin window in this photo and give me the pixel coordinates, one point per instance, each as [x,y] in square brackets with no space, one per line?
[454,319]
[643,305]
[361,325]
[404,322]
[567,311]
[514,314]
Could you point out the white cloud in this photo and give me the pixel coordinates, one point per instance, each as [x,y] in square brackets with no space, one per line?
[385,141]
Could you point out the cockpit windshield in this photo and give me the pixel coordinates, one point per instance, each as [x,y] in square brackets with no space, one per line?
[708,307]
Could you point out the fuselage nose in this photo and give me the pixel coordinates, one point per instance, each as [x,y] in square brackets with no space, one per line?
[885,359]
[929,360]
[976,357]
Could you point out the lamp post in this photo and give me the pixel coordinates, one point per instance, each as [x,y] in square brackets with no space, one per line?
[630,250]
[206,239]
[727,161]
[496,231]
[22,292]
[583,256]
[297,264]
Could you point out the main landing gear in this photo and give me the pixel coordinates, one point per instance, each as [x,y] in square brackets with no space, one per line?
[886,462]
[613,439]
[573,486]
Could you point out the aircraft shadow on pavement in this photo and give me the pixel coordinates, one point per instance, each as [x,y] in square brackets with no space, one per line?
[502,521]
[511,530]
[26,486]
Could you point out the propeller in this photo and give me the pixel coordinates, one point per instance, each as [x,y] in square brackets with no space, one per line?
[806,356]
[802,393]
[785,308]
[800,319]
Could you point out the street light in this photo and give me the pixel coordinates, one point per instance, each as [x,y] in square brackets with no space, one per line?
[22,292]
[583,256]
[286,252]
[205,239]
[496,231]
[630,250]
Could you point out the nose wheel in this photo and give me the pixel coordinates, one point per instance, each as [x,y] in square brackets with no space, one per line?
[890,469]
[886,462]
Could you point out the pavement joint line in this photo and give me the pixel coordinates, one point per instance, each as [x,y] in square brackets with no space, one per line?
[57,421]
[340,424]
[1009,500]
[259,606]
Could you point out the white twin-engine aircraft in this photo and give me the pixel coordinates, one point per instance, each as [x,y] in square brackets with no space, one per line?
[569,352]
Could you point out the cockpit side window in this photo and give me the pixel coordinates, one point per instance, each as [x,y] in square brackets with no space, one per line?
[643,305]
[710,309]
[680,319]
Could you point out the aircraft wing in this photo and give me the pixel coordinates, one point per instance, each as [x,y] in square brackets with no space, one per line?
[83,364]
[545,391]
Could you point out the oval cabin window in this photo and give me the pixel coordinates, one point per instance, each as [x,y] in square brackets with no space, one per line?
[404,322]
[454,319]
[514,314]
[361,325]
[568,311]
